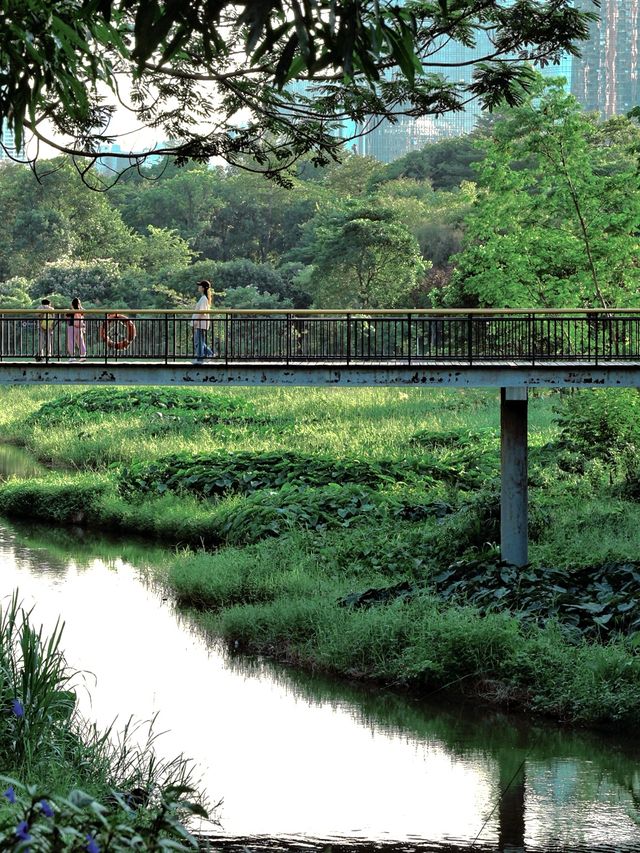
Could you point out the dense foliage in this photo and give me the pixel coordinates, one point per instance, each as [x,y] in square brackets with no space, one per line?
[539,208]
[589,601]
[193,68]
[217,474]
[87,404]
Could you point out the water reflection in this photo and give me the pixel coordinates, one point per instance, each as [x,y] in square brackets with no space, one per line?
[16,462]
[301,757]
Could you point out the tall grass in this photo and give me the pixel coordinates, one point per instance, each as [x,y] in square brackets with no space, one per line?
[43,737]
[35,692]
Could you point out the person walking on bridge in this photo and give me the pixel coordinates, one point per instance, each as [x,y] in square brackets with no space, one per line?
[200,322]
[75,331]
[46,324]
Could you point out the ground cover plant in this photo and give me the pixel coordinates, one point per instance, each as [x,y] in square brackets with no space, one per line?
[245,472]
[128,796]
[591,601]
[384,495]
[175,401]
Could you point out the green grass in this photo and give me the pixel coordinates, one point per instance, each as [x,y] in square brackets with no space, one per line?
[315,494]
[376,423]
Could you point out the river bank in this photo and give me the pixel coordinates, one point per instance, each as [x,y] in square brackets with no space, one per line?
[336,518]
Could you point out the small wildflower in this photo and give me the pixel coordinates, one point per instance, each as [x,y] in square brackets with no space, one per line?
[92,845]
[17,707]
[22,831]
[10,794]
[46,809]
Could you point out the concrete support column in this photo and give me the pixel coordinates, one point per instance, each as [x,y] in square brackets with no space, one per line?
[513,465]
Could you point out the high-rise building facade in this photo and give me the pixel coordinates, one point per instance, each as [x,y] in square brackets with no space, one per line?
[605,78]
[388,141]
[8,146]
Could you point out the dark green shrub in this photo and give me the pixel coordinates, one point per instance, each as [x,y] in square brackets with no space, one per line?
[600,422]
[274,513]
[207,406]
[216,474]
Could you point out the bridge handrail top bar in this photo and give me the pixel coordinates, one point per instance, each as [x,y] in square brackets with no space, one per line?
[332,312]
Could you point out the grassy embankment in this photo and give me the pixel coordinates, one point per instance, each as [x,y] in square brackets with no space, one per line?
[313,498]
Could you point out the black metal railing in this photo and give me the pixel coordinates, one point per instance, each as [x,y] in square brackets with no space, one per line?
[340,337]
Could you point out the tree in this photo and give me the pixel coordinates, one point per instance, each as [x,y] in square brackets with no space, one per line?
[195,67]
[260,221]
[353,176]
[186,202]
[47,221]
[164,249]
[14,293]
[557,221]
[93,282]
[249,297]
[237,274]
[445,164]
[364,260]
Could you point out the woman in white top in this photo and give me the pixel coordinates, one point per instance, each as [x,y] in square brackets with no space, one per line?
[200,322]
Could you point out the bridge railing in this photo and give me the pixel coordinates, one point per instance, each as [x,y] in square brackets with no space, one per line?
[343,337]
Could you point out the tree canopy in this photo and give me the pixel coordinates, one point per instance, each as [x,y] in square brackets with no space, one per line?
[556,222]
[551,220]
[260,84]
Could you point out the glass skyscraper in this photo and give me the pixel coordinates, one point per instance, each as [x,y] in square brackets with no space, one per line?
[605,78]
[8,143]
[389,141]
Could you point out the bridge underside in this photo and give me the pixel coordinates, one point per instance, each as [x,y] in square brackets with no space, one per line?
[323,375]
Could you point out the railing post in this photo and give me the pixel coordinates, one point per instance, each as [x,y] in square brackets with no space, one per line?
[470,338]
[348,338]
[596,317]
[106,335]
[227,330]
[409,337]
[166,337]
[532,337]
[47,339]
[288,334]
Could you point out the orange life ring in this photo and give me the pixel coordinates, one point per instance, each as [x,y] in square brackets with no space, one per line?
[119,320]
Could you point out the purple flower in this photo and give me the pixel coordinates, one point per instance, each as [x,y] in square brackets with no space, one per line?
[10,794]
[92,845]
[22,831]
[47,811]
[17,707]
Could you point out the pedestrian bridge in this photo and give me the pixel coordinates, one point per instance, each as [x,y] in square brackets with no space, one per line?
[326,348]
[510,350]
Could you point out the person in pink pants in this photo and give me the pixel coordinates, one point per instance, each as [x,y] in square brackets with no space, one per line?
[75,331]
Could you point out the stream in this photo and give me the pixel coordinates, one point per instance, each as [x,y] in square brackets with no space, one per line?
[302,761]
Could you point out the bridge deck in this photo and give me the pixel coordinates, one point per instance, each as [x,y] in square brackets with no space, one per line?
[420,372]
